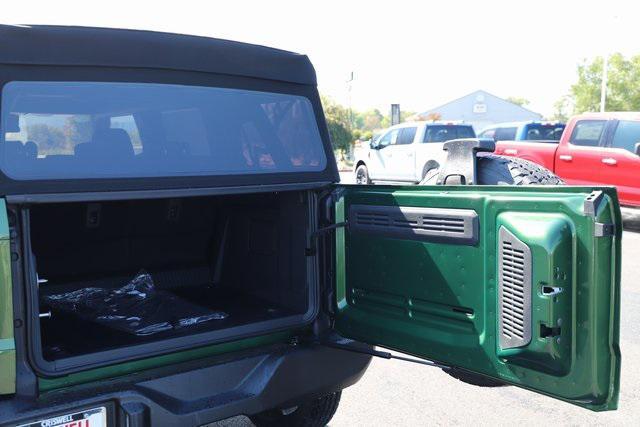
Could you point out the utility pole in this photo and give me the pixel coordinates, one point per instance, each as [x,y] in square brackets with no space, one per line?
[605,62]
[349,84]
[603,87]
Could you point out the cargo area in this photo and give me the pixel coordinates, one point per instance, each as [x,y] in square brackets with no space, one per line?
[119,274]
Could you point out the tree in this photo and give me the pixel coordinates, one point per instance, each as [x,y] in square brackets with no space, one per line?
[623,84]
[404,115]
[369,120]
[433,116]
[562,109]
[518,100]
[338,123]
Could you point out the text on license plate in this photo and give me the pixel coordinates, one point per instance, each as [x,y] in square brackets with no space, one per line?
[96,417]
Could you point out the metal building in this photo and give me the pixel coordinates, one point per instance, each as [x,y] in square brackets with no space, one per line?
[480,109]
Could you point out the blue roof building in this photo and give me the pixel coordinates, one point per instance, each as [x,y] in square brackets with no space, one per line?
[480,109]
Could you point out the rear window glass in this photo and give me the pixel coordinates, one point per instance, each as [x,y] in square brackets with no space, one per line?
[505,134]
[66,130]
[488,133]
[542,132]
[587,133]
[627,135]
[442,133]
[406,135]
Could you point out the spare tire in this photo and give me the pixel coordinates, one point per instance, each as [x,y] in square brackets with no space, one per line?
[497,170]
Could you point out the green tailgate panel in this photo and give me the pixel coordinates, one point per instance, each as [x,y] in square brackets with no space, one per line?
[508,282]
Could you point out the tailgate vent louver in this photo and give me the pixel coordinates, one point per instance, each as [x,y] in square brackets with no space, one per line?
[514,291]
[426,224]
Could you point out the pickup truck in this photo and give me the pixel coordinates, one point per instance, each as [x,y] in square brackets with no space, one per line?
[407,152]
[595,149]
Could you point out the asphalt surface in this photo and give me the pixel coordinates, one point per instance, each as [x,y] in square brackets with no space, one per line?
[403,394]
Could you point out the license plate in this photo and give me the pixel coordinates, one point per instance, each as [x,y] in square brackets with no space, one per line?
[96,417]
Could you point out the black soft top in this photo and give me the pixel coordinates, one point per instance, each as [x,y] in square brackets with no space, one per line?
[87,46]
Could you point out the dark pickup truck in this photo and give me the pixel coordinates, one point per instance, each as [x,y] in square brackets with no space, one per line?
[176,249]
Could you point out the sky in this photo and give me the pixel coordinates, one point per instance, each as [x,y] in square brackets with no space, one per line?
[419,54]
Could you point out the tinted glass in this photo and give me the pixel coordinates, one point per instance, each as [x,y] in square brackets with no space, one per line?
[505,134]
[489,133]
[406,135]
[587,133]
[627,136]
[54,130]
[542,132]
[442,133]
[388,138]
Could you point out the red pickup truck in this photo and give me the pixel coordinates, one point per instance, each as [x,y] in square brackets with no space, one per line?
[595,149]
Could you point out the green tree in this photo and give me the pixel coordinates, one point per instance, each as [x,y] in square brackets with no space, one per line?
[562,109]
[623,84]
[338,123]
[404,115]
[518,100]
[369,120]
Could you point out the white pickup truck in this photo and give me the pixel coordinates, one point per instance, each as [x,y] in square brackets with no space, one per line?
[407,152]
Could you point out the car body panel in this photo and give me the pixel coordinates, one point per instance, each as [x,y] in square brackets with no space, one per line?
[122,369]
[7,341]
[439,299]
[202,391]
[542,153]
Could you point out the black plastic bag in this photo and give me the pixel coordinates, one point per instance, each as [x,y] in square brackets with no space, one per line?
[137,308]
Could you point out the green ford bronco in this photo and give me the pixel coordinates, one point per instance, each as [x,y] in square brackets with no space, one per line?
[176,249]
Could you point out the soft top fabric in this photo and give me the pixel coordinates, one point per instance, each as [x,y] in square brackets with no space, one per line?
[87,46]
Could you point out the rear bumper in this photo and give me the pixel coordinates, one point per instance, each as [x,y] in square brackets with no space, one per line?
[246,386]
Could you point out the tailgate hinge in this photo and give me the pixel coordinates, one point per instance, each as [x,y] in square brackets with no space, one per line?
[592,202]
[604,230]
[312,239]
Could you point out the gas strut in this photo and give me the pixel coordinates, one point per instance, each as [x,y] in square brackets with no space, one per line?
[350,345]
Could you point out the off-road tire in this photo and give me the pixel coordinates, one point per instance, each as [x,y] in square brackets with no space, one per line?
[498,170]
[363,171]
[313,413]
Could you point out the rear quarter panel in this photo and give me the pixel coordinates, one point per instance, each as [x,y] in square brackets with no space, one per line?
[429,155]
[542,153]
